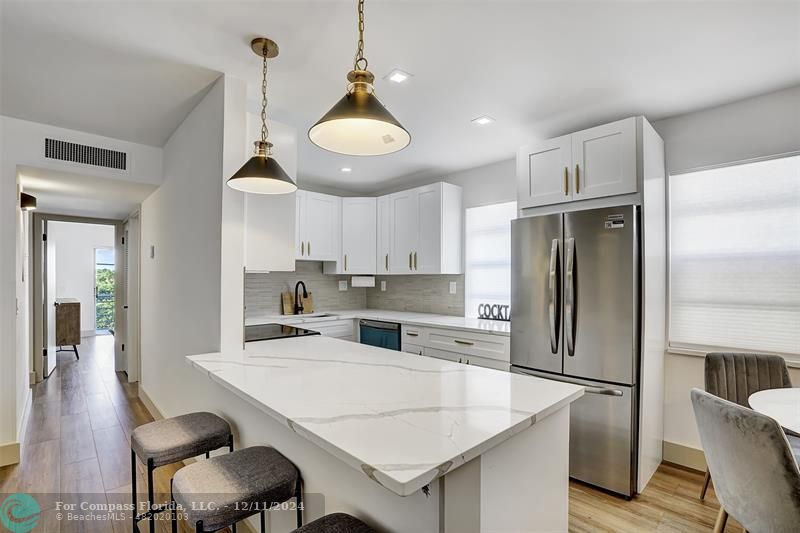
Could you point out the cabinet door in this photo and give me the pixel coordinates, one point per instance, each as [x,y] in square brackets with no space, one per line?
[300,225]
[270,232]
[405,231]
[428,252]
[543,173]
[322,226]
[359,235]
[384,247]
[604,160]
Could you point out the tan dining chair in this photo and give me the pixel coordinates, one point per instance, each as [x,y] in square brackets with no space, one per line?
[735,376]
[756,476]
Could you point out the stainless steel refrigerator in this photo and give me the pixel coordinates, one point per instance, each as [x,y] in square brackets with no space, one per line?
[575,300]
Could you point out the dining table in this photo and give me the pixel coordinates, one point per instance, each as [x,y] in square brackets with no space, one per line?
[783,405]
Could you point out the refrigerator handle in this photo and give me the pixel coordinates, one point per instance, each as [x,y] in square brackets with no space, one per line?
[570,303]
[554,306]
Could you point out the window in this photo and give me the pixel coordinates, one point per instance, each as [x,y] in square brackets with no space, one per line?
[488,255]
[735,257]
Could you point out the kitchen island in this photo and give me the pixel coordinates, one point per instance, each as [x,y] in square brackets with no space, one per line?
[488,450]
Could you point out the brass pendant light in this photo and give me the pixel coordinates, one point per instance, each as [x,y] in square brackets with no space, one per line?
[359,124]
[262,174]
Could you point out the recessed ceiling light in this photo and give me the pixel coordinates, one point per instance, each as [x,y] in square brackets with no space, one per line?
[397,76]
[482,120]
[346,169]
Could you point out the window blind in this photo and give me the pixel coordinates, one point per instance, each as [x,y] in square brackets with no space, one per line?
[735,257]
[488,255]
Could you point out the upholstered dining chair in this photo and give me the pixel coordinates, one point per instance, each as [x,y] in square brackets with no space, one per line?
[735,376]
[756,475]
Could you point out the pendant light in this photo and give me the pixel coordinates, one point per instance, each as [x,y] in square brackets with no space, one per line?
[262,174]
[359,124]
[27,202]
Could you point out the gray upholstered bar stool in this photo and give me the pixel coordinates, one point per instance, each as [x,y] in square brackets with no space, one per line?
[228,488]
[169,441]
[336,523]
[735,376]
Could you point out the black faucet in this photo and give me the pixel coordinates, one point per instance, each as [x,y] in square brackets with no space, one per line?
[298,304]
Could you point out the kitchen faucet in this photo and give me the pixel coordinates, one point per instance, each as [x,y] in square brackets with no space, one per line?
[298,304]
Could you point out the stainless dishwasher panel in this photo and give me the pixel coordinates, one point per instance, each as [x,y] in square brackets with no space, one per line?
[603,430]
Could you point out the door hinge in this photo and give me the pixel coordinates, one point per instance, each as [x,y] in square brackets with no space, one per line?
[44,236]
[44,352]
[123,240]
[123,347]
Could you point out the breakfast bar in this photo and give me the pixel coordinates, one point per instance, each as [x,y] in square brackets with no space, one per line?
[488,449]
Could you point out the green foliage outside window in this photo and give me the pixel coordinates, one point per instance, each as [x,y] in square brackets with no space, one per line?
[104,310]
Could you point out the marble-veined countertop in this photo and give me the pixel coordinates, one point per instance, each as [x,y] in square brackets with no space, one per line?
[401,419]
[495,327]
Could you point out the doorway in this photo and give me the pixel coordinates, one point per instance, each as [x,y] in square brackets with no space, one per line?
[104,289]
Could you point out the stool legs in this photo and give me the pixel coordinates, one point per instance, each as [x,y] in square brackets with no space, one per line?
[133,492]
[299,499]
[150,498]
[173,513]
[263,522]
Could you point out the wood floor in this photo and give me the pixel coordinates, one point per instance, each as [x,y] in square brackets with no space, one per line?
[78,438]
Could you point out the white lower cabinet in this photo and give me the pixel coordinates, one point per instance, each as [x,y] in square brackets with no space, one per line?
[338,329]
[466,347]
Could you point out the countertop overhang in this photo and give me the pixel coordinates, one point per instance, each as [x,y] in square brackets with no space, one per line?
[401,419]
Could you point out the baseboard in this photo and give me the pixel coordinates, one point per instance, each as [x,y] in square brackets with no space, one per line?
[22,430]
[149,405]
[32,378]
[9,453]
[684,456]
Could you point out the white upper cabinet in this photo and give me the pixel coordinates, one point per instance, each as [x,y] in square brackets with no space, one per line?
[318,226]
[269,232]
[604,160]
[421,230]
[592,163]
[359,236]
[543,172]
[384,244]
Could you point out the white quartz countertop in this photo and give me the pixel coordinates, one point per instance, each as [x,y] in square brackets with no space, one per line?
[401,419]
[496,327]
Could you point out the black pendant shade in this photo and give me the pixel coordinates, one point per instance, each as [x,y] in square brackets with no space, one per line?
[262,175]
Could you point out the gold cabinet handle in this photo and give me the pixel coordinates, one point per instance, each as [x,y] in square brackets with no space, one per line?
[345,262]
[566,181]
[577,179]
[409,260]
[412,333]
[415,260]
[302,248]
[309,247]
[386,261]
[465,343]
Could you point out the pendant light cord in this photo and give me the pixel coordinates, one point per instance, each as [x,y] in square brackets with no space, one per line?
[360,62]
[264,130]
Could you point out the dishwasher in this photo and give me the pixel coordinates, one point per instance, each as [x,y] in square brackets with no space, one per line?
[380,334]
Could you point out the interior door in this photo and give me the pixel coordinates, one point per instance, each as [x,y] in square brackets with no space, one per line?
[601,291]
[405,227]
[384,246]
[323,227]
[604,160]
[50,301]
[428,252]
[543,173]
[536,298]
[359,235]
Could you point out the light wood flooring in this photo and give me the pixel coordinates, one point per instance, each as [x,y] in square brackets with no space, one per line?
[78,438]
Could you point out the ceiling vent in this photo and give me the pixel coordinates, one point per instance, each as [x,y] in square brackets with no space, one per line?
[85,155]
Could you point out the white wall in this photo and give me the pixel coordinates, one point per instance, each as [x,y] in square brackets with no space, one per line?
[756,127]
[22,143]
[75,263]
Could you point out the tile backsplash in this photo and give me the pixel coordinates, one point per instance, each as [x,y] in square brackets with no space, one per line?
[420,293]
[262,291]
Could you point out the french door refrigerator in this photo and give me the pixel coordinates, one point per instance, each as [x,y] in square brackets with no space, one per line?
[575,300]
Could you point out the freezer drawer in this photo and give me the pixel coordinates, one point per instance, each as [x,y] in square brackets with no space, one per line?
[602,436]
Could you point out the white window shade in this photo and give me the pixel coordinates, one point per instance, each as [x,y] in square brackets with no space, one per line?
[735,257]
[488,255]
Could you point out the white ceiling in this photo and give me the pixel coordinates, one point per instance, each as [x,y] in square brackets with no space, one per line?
[132,70]
[63,193]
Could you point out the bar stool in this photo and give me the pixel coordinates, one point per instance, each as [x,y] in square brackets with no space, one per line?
[336,523]
[228,488]
[169,441]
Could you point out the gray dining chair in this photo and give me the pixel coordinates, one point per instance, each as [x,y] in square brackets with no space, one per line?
[756,475]
[735,376]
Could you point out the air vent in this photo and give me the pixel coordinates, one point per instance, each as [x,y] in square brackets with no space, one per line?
[85,155]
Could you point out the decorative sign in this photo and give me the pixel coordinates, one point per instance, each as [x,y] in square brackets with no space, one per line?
[494,312]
